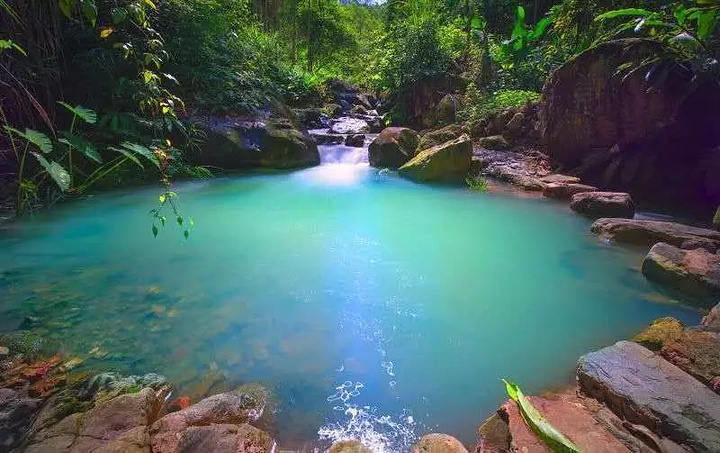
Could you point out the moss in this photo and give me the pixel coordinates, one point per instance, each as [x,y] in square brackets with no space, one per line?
[659,333]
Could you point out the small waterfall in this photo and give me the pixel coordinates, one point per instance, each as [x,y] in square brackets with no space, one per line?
[336,146]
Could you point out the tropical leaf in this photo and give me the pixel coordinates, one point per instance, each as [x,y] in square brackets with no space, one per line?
[539,424]
[66,6]
[142,151]
[56,171]
[89,10]
[633,12]
[82,145]
[87,115]
[38,139]
[128,154]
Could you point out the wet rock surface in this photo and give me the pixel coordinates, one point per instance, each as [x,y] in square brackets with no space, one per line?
[349,446]
[603,204]
[225,438]
[650,232]
[356,141]
[438,443]
[348,125]
[440,136]
[525,170]
[695,272]
[712,320]
[564,191]
[448,162]
[644,388]
[393,147]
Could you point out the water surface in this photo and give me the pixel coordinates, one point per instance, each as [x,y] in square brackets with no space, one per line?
[371,306]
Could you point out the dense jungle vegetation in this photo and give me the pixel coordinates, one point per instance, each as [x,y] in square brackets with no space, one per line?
[94,90]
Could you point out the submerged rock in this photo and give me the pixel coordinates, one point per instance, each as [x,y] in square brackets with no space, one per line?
[494,142]
[603,204]
[644,388]
[447,162]
[16,416]
[650,232]
[438,443]
[440,136]
[393,147]
[695,272]
[564,191]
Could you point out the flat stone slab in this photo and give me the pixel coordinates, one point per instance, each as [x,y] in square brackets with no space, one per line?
[695,272]
[564,191]
[603,204]
[650,232]
[644,388]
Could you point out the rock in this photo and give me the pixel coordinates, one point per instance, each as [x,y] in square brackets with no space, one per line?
[440,136]
[494,142]
[356,141]
[225,438]
[446,110]
[657,144]
[695,272]
[328,139]
[393,147]
[650,232]
[566,411]
[523,170]
[16,415]
[515,125]
[712,320]
[105,386]
[560,179]
[697,353]
[312,118]
[603,204]
[658,333]
[349,446]
[237,144]
[447,162]
[240,406]
[646,389]
[564,191]
[333,110]
[359,110]
[438,443]
[347,125]
[4,352]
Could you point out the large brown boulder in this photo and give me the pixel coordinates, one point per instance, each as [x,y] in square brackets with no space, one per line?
[656,143]
[440,136]
[438,443]
[603,204]
[235,144]
[564,191]
[393,147]
[695,272]
[449,162]
[650,232]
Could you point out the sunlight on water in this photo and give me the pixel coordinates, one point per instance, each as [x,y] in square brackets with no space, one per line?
[372,307]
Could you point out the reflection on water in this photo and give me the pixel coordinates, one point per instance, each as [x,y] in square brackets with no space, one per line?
[372,307]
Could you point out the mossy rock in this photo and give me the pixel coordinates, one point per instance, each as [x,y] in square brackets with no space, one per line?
[449,162]
[440,136]
[446,110]
[393,147]
[494,142]
[660,332]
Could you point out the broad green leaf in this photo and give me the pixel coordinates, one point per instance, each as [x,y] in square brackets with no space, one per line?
[66,7]
[89,10]
[632,12]
[128,154]
[56,171]
[87,115]
[6,44]
[118,15]
[539,424]
[142,151]
[150,4]
[38,139]
[82,145]
[706,22]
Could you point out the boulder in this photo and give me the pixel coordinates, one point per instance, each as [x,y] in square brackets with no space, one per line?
[439,136]
[564,191]
[696,352]
[711,321]
[238,144]
[240,406]
[333,110]
[348,125]
[356,141]
[225,438]
[658,333]
[328,139]
[438,443]
[695,272]
[446,110]
[447,162]
[603,204]
[16,415]
[644,388]
[393,147]
[520,169]
[311,118]
[556,178]
[650,232]
[515,125]
[494,142]
[349,446]
[358,110]
[656,143]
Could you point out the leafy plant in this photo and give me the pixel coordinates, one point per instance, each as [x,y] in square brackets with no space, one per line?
[539,424]
[477,184]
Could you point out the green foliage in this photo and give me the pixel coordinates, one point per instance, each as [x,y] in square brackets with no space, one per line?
[539,424]
[498,101]
[477,184]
